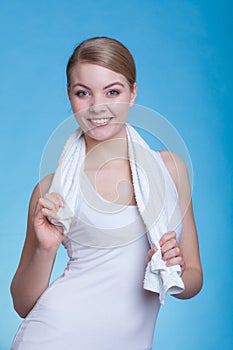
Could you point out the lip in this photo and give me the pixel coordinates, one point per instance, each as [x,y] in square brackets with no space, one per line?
[99,125]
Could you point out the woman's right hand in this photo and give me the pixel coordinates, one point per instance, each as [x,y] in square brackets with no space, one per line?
[49,236]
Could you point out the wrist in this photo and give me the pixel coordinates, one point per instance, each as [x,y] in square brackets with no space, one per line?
[46,251]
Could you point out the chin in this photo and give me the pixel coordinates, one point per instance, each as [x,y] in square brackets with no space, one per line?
[106,132]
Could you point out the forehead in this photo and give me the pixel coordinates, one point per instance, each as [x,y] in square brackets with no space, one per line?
[95,75]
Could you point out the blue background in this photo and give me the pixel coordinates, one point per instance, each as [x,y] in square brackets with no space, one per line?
[183,51]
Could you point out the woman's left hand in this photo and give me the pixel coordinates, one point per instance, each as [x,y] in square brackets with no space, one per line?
[171,252]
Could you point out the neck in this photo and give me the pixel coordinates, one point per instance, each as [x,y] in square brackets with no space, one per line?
[102,153]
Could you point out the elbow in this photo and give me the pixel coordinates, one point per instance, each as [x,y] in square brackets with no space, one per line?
[17,306]
[195,290]
[193,282]
[199,281]
[20,312]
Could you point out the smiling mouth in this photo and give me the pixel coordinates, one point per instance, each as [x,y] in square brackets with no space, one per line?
[99,121]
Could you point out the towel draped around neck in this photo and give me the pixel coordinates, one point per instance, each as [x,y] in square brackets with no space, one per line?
[149,189]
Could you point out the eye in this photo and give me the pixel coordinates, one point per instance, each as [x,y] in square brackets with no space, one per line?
[81,93]
[113,92]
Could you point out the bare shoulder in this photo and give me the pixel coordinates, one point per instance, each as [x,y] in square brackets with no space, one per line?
[176,167]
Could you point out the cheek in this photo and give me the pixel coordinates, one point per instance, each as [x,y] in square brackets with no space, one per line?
[78,104]
[79,110]
[81,118]
[119,109]
[73,104]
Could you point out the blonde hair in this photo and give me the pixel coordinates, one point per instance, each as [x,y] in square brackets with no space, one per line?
[105,52]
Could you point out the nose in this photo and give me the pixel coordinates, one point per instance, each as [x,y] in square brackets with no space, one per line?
[97,105]
[97,109]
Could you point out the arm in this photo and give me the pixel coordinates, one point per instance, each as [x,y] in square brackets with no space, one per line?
[39,251]
[186,252]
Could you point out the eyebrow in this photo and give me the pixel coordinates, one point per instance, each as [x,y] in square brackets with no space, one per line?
[106,87]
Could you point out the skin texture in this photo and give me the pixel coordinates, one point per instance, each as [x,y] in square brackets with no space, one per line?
[108,95]
[95,93]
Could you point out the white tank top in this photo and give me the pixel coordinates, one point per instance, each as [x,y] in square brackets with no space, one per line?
[99,302]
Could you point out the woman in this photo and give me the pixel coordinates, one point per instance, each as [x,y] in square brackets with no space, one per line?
[99,302]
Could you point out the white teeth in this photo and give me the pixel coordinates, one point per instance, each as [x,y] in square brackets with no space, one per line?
[100,121]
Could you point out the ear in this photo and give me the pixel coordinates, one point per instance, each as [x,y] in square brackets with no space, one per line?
[133,95]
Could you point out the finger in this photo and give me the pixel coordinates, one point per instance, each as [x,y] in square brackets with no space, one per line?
[38,214]
[50,213]
[177,261]
[167,236]
[174,261]
[172,253]
[46,203]
[150,254]
[55,198]
[41,216]
[51,201]
[171,244]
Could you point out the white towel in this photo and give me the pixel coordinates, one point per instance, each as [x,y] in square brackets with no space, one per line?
[149,188]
